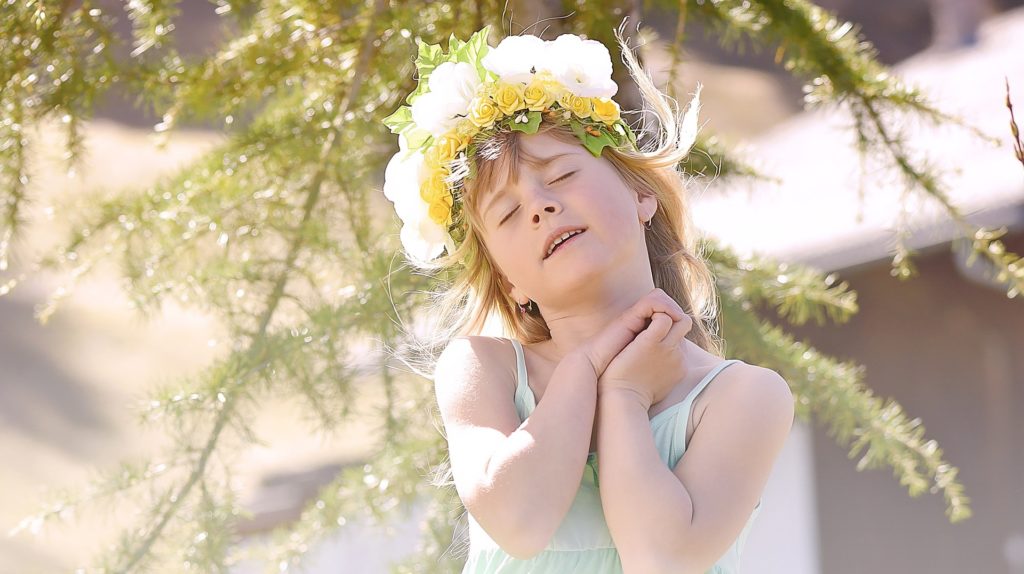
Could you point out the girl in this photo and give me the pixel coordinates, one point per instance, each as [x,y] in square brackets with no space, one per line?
[515,162]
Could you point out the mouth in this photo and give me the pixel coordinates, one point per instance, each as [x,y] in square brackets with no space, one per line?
[558,244]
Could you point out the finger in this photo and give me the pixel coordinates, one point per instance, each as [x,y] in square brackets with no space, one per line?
[661,324]
[678,332]
[656,301]
[672,306]
[664,302]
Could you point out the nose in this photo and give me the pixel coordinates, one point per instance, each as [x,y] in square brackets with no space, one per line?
[544,203]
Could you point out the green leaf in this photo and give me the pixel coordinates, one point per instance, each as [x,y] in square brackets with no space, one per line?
[464,57]
[427,54]
[418,138]
[531,125]
[400,120]
[454,45]
[476,48]
[421,89]
[629,133]
[577,128]
[428,57]
[597,143]
[594,144]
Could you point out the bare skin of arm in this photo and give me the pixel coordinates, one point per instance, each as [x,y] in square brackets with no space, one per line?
[683,519]
[517,480]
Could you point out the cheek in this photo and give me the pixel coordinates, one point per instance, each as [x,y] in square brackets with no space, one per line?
[606,199]
[509,256]
[519,259]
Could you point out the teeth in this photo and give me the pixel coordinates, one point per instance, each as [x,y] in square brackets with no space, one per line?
[560,239]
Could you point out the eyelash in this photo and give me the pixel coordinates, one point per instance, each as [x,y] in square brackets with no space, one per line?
[517,207]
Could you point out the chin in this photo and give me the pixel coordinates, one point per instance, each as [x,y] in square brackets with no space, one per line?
[580,273]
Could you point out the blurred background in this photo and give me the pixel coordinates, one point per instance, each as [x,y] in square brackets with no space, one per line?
[947,345]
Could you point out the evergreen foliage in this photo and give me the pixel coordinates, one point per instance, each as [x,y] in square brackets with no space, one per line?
[281,233]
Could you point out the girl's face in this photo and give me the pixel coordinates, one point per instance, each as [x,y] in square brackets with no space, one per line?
[569,189]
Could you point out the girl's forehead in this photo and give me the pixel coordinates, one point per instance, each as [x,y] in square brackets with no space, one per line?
[542,144]
[535,152]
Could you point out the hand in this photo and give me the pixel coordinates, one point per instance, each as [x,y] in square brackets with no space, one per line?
[652,364]
[604,346]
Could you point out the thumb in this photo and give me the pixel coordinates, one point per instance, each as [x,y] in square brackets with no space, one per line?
[660,325]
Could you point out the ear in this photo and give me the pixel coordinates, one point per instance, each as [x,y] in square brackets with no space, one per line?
[646,205]
[518,297]
[512,290]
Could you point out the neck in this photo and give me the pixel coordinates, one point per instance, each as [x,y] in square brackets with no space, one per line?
[590,310]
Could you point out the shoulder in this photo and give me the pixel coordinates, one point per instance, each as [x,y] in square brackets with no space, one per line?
[470,361]
[474,383]
[473,352]
[748,390]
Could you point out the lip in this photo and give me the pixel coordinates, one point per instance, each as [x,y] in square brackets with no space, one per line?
[556,234]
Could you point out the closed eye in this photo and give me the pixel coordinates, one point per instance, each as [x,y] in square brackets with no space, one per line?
[564,176]
[509,215]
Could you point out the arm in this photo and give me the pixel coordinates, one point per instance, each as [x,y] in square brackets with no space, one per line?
[517,480]
[684,519]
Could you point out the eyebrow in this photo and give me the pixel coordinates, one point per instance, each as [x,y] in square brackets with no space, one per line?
[540,162]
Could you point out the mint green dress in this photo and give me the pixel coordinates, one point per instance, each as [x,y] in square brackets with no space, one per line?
[582,543]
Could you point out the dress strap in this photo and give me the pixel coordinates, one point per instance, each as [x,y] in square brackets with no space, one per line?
[523,392]
[687,404]
[708,377]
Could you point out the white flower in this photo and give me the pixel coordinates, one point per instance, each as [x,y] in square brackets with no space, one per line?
[514,57]
[435,113]
[583,66]
[422,238]
[456,79]
[451,87]
[402,179]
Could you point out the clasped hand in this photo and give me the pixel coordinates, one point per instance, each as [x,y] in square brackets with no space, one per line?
[642,351]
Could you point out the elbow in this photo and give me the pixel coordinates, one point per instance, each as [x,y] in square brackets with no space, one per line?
[522,552]
[684,566]
[527,540]
[522,531]
[655,562]
[684,563]
[520,546]
[521,539]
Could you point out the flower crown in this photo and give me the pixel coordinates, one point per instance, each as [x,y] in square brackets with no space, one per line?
[474,89]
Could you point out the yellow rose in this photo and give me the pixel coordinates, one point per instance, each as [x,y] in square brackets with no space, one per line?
[465,130]
[434,187]
[580,107]
[606,110]
[537,97]
[486,89]
[448,146]
[439,214]
[440,211]
[552,86]
[483,111]
[432,157]
[509,98]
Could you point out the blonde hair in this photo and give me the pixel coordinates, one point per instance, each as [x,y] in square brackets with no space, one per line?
[472,297]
